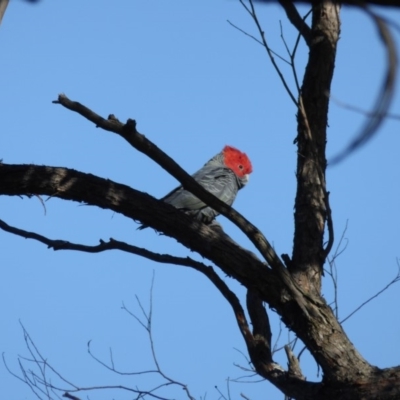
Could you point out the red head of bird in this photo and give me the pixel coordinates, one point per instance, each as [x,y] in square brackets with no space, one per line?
[238,162]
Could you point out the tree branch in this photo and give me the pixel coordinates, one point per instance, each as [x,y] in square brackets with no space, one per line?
[259,319]
[139,142]
[208,271]
[258,41]
[296,20]
[294,365]
[48,381]
[252,12]
[258,342]
[312,201]
[393,281]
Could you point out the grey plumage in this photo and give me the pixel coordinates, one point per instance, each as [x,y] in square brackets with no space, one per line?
[218,178]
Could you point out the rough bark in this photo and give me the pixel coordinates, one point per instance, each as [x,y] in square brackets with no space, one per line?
[312,203]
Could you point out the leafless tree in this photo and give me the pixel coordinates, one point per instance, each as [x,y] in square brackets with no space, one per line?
[289,284]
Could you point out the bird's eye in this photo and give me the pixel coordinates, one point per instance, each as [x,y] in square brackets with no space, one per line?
[241,166]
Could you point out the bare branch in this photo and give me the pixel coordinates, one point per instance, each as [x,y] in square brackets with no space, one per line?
[112,244]
[252,13]
[139,141]
[208,271]
[247,34]
[211,243]
[112,367]
[292,54]
[257,40]
[148,327]
[256,310]
[294,365]
[393,281]
[41,384]
[298,22]
[332,271]
[220,393]
[261,329]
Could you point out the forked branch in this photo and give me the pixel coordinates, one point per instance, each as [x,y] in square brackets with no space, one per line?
[47,383]
[298,22]
[129,132]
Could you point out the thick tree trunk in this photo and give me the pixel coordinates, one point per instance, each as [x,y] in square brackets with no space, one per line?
[311,203]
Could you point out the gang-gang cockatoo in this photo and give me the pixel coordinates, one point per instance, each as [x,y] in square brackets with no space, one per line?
[223,176]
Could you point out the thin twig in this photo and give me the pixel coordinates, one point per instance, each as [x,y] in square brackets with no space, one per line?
[275,346]
[332,272]
[294,364]
[258,41]
[393,281]
[252,13]
[112,367]
[148,327]
[298,22]
[40,384]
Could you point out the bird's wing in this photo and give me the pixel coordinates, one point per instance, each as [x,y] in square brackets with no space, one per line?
[219,181]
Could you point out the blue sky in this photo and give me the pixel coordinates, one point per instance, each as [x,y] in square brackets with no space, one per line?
[194,84]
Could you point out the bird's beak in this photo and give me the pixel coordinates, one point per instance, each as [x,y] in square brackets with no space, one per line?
[245,179]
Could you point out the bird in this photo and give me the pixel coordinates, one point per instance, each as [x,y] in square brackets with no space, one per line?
[223,176]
